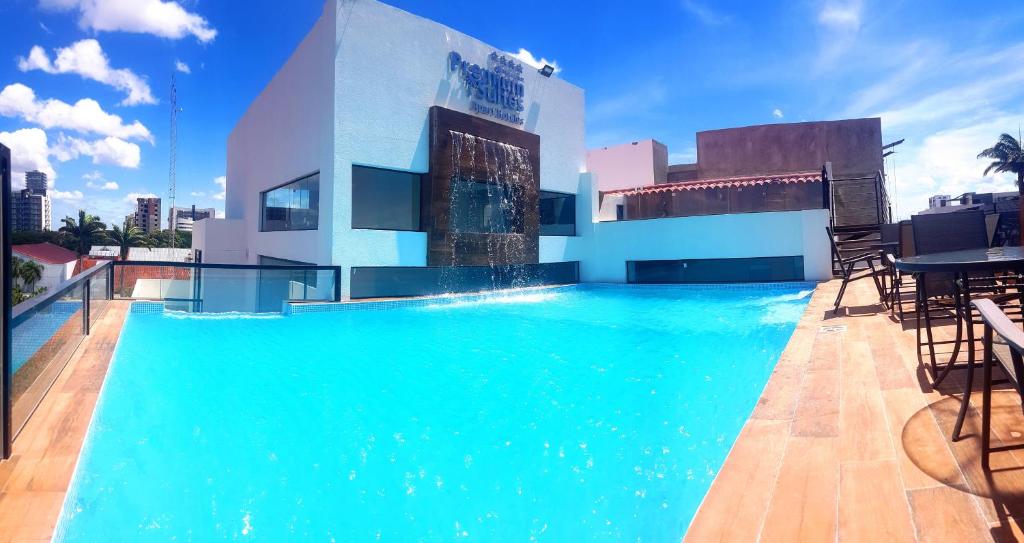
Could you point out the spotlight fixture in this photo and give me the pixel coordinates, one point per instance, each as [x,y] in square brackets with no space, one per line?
[547,70]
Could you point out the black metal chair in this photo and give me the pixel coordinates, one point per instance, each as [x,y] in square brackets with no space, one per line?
[1006,353]
[936,292]
[847,268]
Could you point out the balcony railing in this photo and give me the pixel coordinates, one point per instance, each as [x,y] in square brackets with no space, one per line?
[219,288]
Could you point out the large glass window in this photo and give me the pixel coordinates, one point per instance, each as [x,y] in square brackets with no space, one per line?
[276,286]
[484,208]
[557,214]
[294,206]
[385,199]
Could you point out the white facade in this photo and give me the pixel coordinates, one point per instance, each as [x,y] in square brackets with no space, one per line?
[357,91]
[182,219]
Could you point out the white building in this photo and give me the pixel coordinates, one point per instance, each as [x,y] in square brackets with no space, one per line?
[387,141]
[182,219]
[58,263]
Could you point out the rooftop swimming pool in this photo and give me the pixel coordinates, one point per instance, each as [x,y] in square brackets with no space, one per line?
[587,413]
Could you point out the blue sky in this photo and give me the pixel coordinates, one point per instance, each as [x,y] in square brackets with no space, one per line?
[84,84]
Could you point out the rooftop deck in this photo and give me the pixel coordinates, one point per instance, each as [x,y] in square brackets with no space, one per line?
[848,442]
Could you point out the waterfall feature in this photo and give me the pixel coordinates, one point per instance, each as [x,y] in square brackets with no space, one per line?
[486,207]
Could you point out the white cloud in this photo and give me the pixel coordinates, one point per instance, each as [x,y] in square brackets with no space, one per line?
[86,115]
[222,182]
[132,196]
[69,196]
[527,58]
[87,59]
[156,17]
[946,162]
[777,113]
[841,15]
[99,183]
[705,14]
[182,67]
[839,24]
[29,151]
[109,150]
[197,194]
[94,175]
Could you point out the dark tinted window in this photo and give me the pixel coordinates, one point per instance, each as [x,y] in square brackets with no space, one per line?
[385,199]
[557,214]
[387,282]
[484,208]
[294,206]
[716,270]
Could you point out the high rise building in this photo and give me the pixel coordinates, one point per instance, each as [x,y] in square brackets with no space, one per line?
[35,181]
[181,219]
[147,214]
[30,207]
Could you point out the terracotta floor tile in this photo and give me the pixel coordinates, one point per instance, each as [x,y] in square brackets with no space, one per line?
[817,413]
[872,503]
[946,514]
[804,505]
[925,458]
[744,485]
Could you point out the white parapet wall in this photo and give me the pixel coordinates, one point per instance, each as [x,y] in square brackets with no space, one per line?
[741,235]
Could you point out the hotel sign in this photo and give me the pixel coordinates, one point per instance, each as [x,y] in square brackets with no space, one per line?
[496,89]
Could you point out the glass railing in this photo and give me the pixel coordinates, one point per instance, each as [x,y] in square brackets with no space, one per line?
[45,331]
[220,288]
[402,281]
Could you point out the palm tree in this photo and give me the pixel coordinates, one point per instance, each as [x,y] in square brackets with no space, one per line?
[30,272]
[1008,157]
[127,237]
[83,231]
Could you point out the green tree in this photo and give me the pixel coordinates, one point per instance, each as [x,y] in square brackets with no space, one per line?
[84,231]
[127,237]
[1007,157]
[26,274]
[30,272]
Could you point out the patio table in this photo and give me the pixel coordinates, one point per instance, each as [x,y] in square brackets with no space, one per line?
[961,264]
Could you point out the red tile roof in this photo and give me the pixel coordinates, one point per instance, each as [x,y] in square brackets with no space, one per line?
[46,252]
[726,182]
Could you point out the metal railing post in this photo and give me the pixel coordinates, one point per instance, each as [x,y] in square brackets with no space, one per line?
[86,296]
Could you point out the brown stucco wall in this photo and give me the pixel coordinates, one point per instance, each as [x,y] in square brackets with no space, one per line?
[854,147]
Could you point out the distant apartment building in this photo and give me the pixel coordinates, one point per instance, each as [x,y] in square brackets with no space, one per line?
[181,219]
[147,214]
[36,181]
[939,200]
[30,207]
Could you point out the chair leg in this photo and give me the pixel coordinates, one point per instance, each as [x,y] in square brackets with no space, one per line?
[842,288]
[965,403]
[986,401]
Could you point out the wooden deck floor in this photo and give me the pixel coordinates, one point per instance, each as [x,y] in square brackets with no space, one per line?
[34,480]
[849,442]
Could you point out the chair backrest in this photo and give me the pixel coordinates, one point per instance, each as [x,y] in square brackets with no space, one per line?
[941,232]
[907,238]
[836,256]
[890,232]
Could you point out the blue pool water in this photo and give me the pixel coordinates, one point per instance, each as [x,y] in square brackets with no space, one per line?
[578,414]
